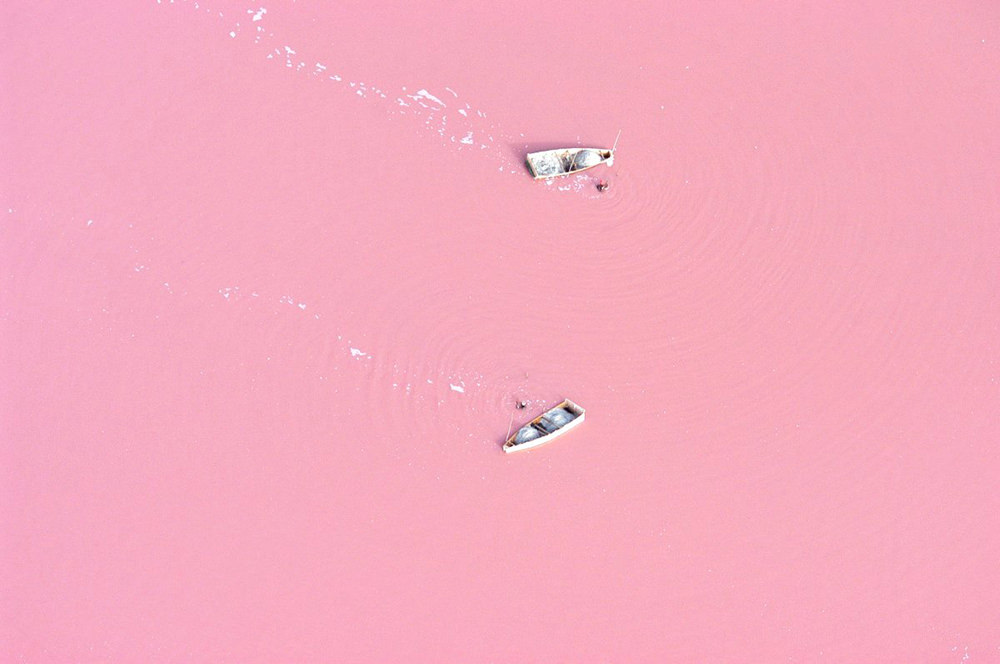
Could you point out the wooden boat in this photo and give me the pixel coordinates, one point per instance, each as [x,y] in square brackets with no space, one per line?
[564,161]
[546,427]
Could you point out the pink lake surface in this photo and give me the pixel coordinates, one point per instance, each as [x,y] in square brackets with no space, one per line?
[273,277]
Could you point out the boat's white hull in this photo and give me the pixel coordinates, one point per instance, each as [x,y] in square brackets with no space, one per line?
[556,163]
[544,440]
[579,414]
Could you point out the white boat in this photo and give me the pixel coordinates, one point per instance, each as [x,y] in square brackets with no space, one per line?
[546,427]
[564,161]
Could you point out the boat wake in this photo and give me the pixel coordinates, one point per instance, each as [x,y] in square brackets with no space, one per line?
[439,111]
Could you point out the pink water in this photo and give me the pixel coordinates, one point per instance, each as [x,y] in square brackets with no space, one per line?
[272,281]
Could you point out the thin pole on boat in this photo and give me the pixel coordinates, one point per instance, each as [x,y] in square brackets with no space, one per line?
[509,427]
[616,141]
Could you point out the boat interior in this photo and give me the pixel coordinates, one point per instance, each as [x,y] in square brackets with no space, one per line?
[556,162]
[548,422]
[569,159]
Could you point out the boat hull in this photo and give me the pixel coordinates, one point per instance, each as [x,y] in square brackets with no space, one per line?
[538,424]
[567,161]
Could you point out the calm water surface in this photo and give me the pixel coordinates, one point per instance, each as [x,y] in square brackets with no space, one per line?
[275,276]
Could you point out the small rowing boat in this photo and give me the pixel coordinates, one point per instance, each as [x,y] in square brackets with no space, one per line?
[546,427]
[563,161]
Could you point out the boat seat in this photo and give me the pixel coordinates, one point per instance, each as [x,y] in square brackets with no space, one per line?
[544,429]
